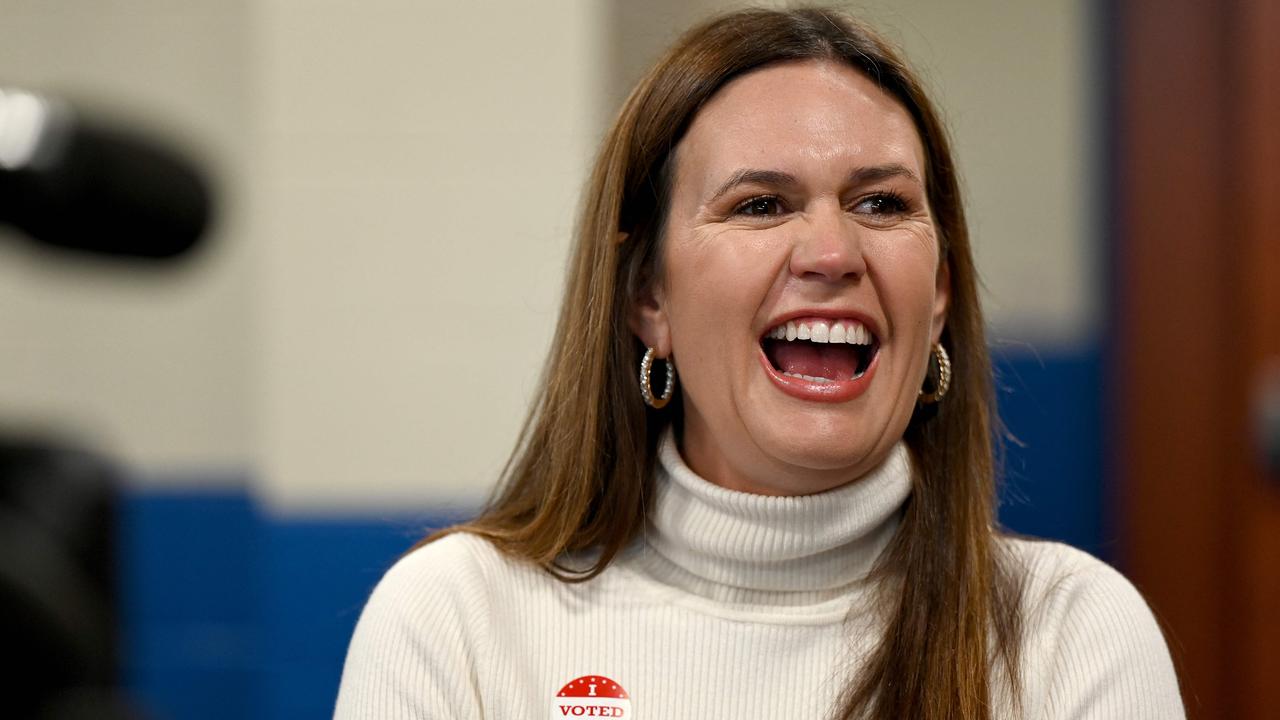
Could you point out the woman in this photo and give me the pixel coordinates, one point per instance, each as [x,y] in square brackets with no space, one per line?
[803,527]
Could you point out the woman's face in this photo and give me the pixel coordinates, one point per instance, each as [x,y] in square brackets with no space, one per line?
[801,288]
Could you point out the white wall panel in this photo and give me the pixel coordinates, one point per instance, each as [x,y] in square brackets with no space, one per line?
[421,165]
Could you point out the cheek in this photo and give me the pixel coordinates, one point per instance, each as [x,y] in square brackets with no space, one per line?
[906,274]
[719,280]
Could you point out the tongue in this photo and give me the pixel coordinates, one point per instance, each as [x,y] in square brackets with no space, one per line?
[834,362]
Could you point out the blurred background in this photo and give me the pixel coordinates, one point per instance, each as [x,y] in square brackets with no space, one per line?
[344,360]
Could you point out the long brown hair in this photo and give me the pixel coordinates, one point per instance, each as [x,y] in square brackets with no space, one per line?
[580,476]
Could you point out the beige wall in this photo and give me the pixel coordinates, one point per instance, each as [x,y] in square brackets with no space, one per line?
[421,165]
[400,180]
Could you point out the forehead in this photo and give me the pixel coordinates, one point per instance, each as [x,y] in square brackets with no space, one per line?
[788,114]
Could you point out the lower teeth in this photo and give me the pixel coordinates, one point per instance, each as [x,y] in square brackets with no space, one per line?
[811,378]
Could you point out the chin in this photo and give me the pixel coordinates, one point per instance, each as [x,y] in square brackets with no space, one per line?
[826,447]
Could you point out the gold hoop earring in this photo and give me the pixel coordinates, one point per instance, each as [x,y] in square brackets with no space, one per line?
[943,383]
[646,387]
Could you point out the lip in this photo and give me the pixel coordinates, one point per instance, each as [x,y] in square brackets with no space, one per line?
[833,391]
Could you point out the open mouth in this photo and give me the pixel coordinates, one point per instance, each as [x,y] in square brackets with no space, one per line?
[820,351]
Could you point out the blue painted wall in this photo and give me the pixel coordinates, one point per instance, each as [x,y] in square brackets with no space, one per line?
[230,612]
[1054,474]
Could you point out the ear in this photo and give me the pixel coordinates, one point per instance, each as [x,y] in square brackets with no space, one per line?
[941,299]
[648,319]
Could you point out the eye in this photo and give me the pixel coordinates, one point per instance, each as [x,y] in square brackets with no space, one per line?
[883,203]
[763,205]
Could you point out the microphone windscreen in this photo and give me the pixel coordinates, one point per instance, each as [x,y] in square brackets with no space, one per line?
[107,192]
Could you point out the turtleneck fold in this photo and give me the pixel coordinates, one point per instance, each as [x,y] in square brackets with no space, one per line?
[730,545]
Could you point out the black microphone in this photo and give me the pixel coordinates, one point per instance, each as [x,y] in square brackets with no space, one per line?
[74,184]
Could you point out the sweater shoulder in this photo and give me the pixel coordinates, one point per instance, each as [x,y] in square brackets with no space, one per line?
[1092,645]
[1053,567]
[454,563]
[425,633]
[1063,584]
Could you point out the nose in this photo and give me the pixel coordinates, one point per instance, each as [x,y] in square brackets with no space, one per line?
[828,248]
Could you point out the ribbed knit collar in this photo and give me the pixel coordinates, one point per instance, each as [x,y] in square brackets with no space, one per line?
[743,547]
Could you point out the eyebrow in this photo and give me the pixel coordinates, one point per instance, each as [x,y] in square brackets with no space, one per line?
[881,172]
[760,177]
[782,179]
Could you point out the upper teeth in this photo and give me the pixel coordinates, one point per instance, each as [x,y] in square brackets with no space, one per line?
[850,332]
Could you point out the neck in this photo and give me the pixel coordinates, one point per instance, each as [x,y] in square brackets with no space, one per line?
[726,544]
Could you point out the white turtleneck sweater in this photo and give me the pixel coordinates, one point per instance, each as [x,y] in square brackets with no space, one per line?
[731,606]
